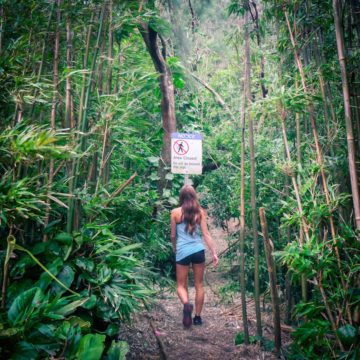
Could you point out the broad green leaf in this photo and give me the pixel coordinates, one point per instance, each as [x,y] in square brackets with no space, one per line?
[153,176]
[105,274]
[112,330]
[69,308]
[66,276]
[90,304]
[169,176]
[124,249]
[18,247]
[84,325]
[25,351]
[117,351]
[45,278]
[24,304]
[166,193]
[91,347]
[239,339]
[85,264]
[154,160]
[64,238]
[8,333]
[347,334]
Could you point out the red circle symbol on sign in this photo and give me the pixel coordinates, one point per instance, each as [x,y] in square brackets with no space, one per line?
[181,147]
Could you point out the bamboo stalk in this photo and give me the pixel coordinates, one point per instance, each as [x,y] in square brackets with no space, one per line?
[317,146]
[272,279]
[83,120]
[242,221]
[120,189]
[314,130]
[337,5]
[11,241]
[328,310]
[68,107]
[297,195]
[298,200]
[102,163]
[2,21]
[252,179]
[106,170]
[43,51]
[110,49]
[53,110]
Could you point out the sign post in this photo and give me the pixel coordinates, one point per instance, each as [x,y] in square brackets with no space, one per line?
[186,154]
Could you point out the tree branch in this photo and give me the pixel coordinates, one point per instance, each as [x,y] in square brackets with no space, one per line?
[217,96]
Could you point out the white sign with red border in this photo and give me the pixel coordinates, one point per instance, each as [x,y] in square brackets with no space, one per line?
[186,153]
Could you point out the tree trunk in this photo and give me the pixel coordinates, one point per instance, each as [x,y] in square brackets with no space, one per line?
[337,6]
[158,57]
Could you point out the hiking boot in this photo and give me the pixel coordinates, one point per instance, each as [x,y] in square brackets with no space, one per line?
[188,308]
[197,320]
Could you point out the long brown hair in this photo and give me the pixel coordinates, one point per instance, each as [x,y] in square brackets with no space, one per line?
[191,209]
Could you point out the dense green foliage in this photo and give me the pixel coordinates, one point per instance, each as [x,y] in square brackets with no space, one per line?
[75,127]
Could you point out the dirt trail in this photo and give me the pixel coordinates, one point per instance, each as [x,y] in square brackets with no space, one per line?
[213,340]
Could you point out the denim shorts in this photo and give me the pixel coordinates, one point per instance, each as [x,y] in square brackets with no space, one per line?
[196,258]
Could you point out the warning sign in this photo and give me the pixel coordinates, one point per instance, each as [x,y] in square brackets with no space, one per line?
[181,147]
[186,153]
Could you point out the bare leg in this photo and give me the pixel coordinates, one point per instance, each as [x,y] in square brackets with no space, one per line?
[182,272]
[198,270]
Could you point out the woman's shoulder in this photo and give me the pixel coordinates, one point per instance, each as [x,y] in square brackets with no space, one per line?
[176,214]
[176,210]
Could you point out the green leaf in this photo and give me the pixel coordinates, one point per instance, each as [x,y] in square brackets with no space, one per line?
[45,278]
[117,351]
[9,332]
[84,325]
[24,304]
[91,347]
[347,334]
[154,160]
[166,193]
[239,339]
[64,238]
[154,176]
[105,274]
[85,264]
[112,330]
[24,351]
[90,304]
[18,247]
[252,339]
[69,308]
[169,176]
[66,276]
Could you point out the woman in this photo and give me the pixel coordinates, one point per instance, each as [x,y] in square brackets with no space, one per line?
[185,223]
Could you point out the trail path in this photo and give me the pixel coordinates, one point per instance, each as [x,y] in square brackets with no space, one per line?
[213,340]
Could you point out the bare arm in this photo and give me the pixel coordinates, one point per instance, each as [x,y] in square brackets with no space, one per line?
[173,230]
[208,238]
